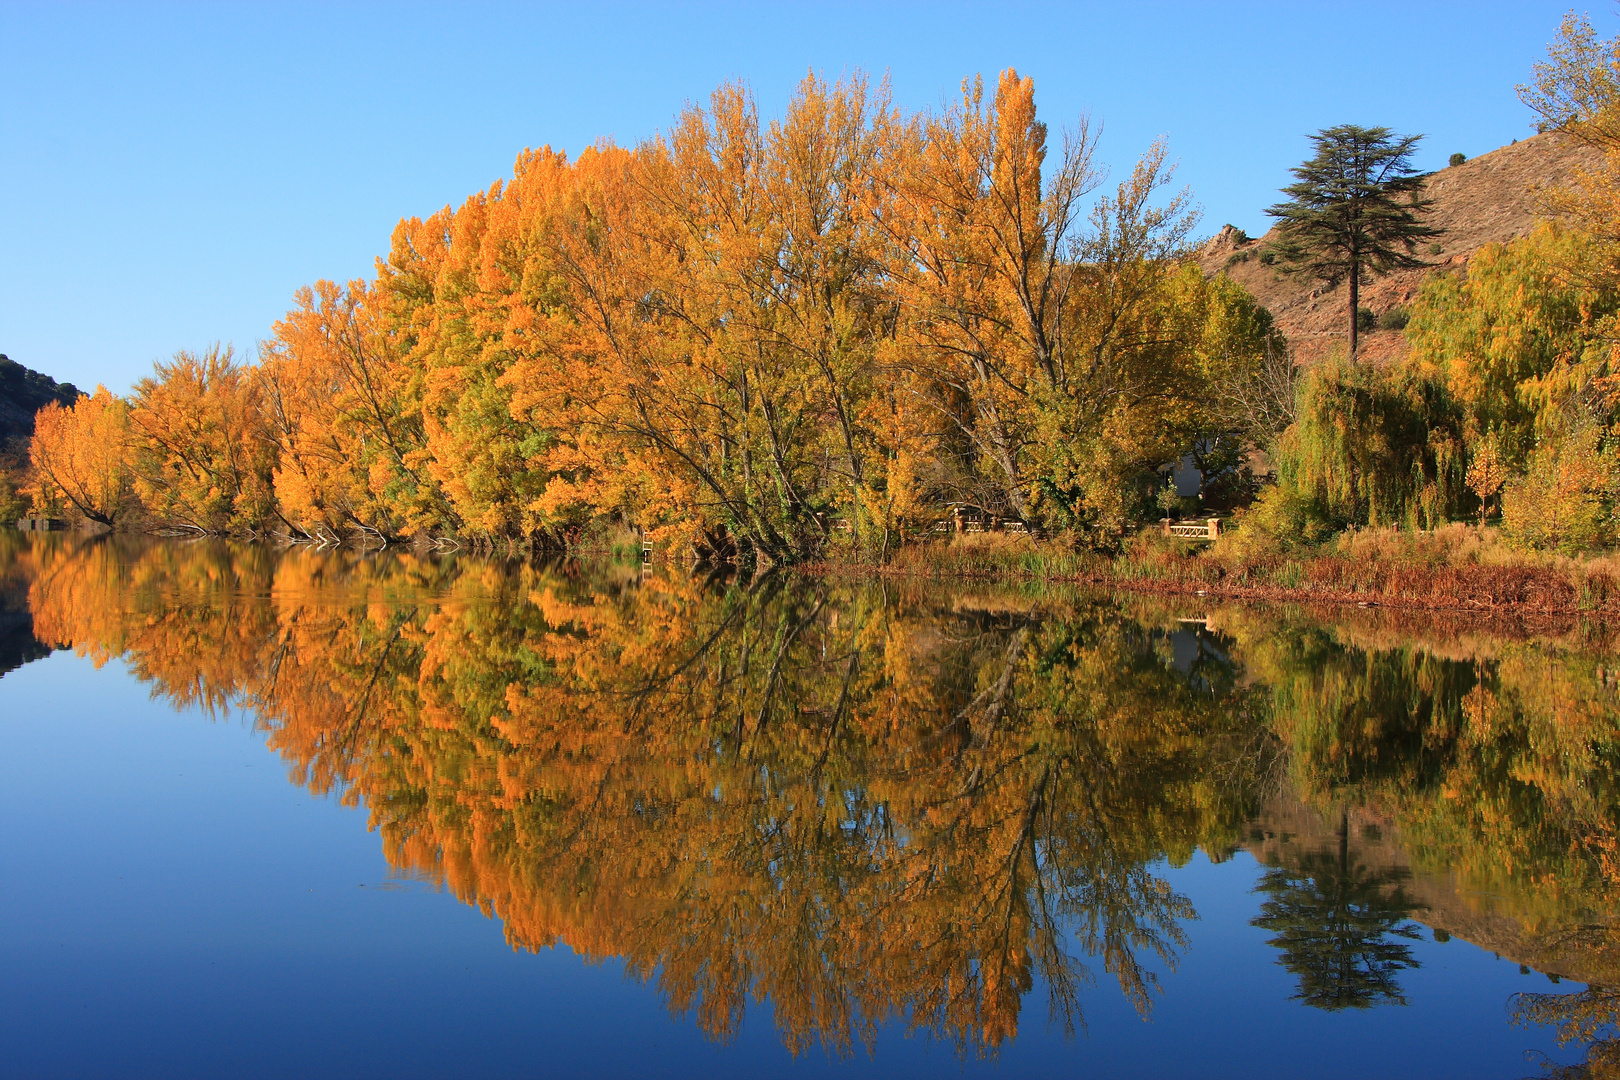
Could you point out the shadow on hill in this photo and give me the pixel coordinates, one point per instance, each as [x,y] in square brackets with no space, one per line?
[23,393]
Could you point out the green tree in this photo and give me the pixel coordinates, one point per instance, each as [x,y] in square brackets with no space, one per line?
[1355,211]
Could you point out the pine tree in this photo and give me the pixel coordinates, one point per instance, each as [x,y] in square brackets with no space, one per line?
[1356,210]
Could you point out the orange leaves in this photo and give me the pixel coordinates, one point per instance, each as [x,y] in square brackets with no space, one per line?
[80,457]
[202,459]
[766,338]
[341,406]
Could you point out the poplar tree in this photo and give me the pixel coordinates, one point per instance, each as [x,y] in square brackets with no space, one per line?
[1356,210]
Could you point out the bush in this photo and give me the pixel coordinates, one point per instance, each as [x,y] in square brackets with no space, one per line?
[1366,320]
[1393,319]
[1281,518]
[1435,249]
[1457,159]
[1563,501]
[14,503]
[1268,258]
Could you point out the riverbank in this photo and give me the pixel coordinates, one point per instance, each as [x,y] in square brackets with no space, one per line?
[1456,568]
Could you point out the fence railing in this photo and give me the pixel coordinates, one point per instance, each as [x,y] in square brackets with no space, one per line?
[1208,529]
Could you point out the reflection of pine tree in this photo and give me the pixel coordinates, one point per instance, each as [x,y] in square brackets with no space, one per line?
[1335,923]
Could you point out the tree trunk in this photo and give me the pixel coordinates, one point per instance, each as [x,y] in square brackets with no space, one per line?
[1355,306]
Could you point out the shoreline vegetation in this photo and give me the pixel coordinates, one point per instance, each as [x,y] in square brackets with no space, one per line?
[824,341]
[1455,569]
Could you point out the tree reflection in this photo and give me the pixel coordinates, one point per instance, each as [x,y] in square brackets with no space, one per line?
[1591,1016]
[861,803]
[1339,926]
[861,806]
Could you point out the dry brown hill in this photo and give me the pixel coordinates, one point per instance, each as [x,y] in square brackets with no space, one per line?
[1492,198]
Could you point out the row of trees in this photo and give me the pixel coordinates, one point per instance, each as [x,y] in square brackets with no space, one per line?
[829,329]
[750,335]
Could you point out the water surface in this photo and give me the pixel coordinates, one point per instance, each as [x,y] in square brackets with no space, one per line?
[281,813]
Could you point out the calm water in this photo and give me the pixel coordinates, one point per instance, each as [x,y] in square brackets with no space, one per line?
[318,814]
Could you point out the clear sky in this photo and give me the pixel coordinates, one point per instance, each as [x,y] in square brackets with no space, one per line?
[169,174]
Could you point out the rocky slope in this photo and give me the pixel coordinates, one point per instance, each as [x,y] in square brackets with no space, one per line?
[22,394]
[1492,198]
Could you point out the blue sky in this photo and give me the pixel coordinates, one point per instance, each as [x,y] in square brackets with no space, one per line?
[169,174]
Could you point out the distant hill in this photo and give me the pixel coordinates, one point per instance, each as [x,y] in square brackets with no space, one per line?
[22,394]
[1492,198]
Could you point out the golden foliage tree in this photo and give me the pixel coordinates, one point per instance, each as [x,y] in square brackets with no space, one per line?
[202,458]
[80,456]
[341,406]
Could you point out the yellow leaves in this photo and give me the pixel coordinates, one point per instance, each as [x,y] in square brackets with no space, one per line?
[80,457]
[737,334]
[203,460]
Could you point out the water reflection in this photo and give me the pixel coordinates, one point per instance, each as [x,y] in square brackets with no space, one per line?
[1339,925]
[878,804]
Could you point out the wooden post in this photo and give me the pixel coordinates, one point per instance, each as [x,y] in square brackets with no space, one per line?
[1214,528]
[956,518]
[1164,526]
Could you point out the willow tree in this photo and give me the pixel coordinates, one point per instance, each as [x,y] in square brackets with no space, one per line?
[1355,210]
[1576,91]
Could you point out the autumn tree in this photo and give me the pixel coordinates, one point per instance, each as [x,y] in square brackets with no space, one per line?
[1061,335]
[452,287]
[201,456]
[1355,211]
[339,403]
[727,277]
[1576,91]
[80,455]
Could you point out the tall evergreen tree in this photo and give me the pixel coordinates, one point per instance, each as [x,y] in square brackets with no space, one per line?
[1336,923]
[1356,210]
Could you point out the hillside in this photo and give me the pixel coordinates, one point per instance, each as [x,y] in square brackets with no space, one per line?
[1492,198]
[22,394]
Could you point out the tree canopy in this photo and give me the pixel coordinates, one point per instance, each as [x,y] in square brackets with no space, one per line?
[760,338]
[1354,211]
